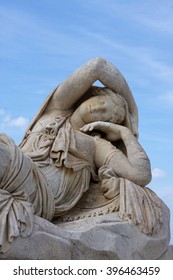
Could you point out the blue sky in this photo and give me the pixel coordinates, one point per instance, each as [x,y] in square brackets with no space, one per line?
[43,41]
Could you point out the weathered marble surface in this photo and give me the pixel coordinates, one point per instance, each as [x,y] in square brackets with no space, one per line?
[82,136]
[168,255]
[102,237]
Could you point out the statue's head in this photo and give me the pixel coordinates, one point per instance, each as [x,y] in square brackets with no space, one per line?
[105,105]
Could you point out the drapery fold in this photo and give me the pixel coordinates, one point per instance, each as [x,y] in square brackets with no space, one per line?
[136,204]
[23,193]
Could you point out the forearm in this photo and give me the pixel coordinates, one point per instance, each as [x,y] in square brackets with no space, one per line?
[135,169]
[137,157]
[112,78]
[75,86]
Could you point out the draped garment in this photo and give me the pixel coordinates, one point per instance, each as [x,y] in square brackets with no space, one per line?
[48,181]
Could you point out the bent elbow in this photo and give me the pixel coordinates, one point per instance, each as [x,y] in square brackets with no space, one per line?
[99,61]
[144,178]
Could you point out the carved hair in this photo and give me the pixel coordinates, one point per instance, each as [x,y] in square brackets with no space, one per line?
[121,115]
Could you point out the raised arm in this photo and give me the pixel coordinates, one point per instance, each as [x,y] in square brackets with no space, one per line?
[76,85]
[135,166]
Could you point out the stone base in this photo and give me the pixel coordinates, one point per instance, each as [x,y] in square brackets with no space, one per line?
[168,255]
[104,237]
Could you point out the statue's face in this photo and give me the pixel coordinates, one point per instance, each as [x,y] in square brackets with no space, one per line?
[97,108]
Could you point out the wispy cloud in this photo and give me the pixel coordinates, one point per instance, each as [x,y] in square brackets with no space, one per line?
[140,13]
[148,58]
[160,21]
[47,38]
[157,173]
[159,68]
[167,98]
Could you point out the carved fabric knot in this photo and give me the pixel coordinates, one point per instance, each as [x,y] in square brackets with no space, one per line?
[16,215]
[51,130]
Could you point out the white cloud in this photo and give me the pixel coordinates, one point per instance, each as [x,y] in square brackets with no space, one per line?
[7,121]
[20,121]
[156,172]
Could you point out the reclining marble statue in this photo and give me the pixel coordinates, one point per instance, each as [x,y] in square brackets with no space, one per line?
[79,159]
